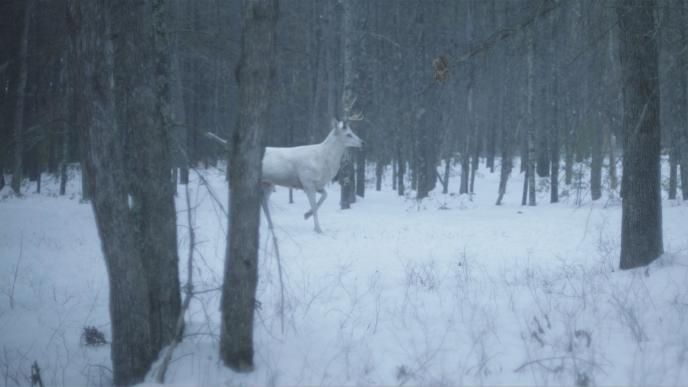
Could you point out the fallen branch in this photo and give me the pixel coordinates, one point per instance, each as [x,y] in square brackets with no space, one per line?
[217,138]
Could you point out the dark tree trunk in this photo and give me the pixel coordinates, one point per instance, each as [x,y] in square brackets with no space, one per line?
[445,180]
[395,166]
[596,164]
[507,164]
[241,263]
[475,161]
[465,167]
[360,172]
[641,224]
[613,179]
[555,155]
[18,169]
[142,71]
[491,146]
[379,168]
[530,175]
[346,180]
[673,163]
[401,171]
[570,148]
[682,103]
[131,345]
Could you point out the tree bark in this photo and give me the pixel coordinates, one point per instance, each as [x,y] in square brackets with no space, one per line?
[131,345]
[241,262]
[641,224]
[682,103]
[142,74]
[596,163]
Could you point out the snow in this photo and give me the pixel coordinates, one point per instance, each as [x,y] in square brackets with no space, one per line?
[452,290]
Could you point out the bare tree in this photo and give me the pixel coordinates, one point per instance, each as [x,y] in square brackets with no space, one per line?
[129,304]
[641,225]
[241,262]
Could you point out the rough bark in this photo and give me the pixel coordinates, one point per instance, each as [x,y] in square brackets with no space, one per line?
[131,344]
[641,224]
[682,63]
[142,73]
[241,262]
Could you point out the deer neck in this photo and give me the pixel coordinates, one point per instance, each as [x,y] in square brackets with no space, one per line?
[332,150]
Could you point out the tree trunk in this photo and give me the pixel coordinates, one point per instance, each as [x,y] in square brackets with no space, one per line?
[131,346]
[554,144]
[531,122]
[360,171]
[447,169]
[641,224]
[18,169]
[241,262]
[401,171]
[346,171]
[682,103]
[596,164]
[379,168]
[346,180]
[142,74]
[491,146]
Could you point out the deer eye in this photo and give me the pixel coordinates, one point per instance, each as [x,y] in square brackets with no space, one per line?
[349,135]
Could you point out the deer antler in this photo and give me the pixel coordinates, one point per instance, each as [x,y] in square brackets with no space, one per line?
[349,100]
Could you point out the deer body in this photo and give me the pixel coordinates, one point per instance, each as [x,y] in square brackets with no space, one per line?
[307,167]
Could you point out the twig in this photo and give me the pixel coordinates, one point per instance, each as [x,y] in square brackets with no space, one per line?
[279,273]
[541,361]
[188,293]
[16,270]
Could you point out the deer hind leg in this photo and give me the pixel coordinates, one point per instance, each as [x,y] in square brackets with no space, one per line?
[267,191]
[323,196]
[314,209]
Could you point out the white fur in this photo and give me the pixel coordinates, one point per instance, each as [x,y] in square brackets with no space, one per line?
[307,167]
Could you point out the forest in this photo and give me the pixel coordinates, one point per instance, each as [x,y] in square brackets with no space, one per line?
[514,160]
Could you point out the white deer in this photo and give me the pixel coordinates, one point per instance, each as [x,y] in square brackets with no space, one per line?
[307,167]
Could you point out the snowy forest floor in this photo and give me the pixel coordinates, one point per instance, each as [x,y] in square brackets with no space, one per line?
[452,290]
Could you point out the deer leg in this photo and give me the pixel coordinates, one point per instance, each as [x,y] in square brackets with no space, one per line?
[267,191]
[314,209]
[323,196]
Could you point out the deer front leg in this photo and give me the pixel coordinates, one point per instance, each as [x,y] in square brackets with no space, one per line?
[323,196]
[314,209]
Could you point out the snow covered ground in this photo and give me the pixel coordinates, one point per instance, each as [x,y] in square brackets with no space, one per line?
[448,291]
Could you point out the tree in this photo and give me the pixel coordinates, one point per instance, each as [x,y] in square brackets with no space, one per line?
[18,169]
[129,304]
[126,97]
[142,74]
[641,224]
[241,262]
